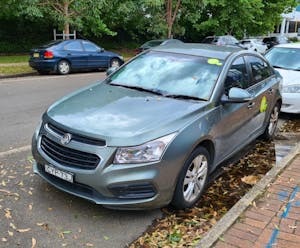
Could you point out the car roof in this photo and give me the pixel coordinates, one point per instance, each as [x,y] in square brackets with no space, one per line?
[289,45]
[205,50]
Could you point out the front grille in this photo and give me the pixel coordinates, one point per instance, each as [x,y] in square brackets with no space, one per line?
[68,156]
[76,137]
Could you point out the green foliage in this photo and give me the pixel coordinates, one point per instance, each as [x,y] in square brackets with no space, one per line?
[119,22]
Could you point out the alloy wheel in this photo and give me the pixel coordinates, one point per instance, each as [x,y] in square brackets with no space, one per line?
[273,120]
[195,178]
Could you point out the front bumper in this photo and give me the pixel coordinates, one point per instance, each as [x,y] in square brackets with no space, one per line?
[290,103]
[143,186]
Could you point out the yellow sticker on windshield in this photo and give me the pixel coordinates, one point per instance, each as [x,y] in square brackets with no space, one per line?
[263,104]
[214,62]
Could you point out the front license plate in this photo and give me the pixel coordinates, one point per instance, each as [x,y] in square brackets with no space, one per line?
[36,55]
[67,176]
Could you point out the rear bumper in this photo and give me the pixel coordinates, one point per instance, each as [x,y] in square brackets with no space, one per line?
[290,103]
[43,65]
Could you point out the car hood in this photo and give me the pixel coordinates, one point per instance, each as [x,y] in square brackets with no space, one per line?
[289,76]
[122,116]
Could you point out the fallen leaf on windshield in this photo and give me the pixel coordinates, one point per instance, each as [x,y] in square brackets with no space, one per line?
[250,179]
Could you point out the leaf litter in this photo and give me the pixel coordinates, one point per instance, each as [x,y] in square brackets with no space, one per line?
[184,228]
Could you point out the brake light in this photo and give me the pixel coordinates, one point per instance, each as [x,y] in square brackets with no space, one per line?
[48,55]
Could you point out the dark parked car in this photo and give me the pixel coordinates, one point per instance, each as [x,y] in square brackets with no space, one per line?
[64,56]
[225,40]
[275,40]
[154,43]
[154,130]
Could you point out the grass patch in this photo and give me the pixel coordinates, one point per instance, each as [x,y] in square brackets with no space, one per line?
[11,70]
[14,59]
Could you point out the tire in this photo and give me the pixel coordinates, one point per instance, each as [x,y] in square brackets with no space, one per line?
[270,130]
[115,62]
[192,179]
[43,72]
[63,67]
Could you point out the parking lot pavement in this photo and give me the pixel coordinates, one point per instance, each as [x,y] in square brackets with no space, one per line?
[274,221]
[33,212]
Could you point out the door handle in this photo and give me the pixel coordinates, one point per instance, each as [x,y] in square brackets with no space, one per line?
[251,105]
[69,54]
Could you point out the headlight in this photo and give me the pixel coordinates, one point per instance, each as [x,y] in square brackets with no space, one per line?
[148,152]
[291,89]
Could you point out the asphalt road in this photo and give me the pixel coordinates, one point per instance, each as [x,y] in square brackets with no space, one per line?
[23,100]
[32,211]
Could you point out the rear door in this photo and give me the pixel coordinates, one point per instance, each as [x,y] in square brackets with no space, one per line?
[262,87]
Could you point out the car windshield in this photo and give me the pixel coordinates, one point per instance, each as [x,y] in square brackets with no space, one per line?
[285,58]
[170,74]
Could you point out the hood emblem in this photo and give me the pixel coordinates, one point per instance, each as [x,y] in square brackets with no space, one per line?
[66,138]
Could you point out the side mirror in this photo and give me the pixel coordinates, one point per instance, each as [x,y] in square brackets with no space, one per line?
[237,95]
[111,70]
[101,50]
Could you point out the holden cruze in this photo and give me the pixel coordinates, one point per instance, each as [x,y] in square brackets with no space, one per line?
[155,129]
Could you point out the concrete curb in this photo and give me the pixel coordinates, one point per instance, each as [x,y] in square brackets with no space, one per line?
[232,215]
[19,75]
[16,150]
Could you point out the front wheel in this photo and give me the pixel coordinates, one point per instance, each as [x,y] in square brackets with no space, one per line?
[272,123]
[192,179]
[63,67]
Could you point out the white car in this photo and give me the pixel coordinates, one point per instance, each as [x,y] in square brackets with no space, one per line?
[285,59]
[254,45]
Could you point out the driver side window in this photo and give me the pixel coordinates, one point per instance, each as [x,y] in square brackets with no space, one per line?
[237,76]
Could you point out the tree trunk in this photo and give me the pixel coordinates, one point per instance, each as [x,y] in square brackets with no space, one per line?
[66,20]
[171,15]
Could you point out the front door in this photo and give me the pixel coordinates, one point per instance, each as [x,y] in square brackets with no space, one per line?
[235,124]
[96,56]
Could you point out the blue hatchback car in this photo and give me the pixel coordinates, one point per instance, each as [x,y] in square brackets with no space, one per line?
[64,56]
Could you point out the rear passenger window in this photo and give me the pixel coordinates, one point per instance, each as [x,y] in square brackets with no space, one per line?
[237,75]
[74,46]
[260,69]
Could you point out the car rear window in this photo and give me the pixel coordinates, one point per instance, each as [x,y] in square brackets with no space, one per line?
[52,43]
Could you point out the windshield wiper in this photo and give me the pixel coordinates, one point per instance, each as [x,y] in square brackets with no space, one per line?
[185,97]
[153,91]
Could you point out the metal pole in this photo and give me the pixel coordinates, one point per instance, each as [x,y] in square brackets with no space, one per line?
[63,34]
[54,34]
[74,34]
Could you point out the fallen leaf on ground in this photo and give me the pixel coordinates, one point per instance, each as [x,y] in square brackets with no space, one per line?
[33,242]
[10,233]
[7,214]
[249,179]
[89,244]
[23,230]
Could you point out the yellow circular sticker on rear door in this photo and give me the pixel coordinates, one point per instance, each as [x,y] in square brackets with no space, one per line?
[263,104]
